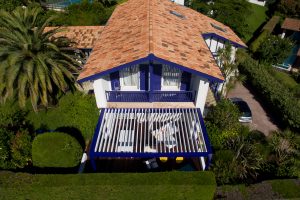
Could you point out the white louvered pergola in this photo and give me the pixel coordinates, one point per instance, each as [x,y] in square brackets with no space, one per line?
[138,132]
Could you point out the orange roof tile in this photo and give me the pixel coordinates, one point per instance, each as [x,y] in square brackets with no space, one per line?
[138,28]
[83,36]
[291,24]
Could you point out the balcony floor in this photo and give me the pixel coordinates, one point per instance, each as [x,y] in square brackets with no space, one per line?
[150,105]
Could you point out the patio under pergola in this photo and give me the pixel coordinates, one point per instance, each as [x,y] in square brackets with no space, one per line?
[150,133]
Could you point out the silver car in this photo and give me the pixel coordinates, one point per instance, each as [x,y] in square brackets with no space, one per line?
[246,114]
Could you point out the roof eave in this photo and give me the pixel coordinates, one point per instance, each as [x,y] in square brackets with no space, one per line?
[150,58]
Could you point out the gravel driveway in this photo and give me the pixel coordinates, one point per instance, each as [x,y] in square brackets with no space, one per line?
[262,121]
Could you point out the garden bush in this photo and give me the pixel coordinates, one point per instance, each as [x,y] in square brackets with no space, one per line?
[15,138]
[276,96]
[274,49]
[84,14]
[55,149]
[222,122]
[76,113]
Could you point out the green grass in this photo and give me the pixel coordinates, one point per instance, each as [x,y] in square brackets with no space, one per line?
[286,188]
[257,18]
[285,79]
[167,185]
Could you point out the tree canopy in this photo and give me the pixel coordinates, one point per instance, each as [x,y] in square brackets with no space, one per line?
[33,64]
[230,12]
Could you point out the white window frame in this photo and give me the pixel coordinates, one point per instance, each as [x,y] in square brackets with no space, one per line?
[170,88]
[130,88]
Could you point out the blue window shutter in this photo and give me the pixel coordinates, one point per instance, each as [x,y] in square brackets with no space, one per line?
[185,81]
[115,80]
[156,77]
[144,77]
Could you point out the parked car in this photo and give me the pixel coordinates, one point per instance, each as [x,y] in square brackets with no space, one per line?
[246,114]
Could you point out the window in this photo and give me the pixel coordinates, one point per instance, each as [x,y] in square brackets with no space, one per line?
[171,77]
[177,14]
[218,27]
[129,77]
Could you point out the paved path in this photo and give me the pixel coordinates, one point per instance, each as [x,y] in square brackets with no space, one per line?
[261,120]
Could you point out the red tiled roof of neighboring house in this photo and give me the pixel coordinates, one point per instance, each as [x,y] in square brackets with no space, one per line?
[138,28]
[291,24]
[84,37]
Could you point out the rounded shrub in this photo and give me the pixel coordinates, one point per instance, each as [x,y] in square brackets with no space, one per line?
[55,149]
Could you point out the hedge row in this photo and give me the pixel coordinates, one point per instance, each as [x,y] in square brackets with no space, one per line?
[276,95]
[257,42]
[159,185]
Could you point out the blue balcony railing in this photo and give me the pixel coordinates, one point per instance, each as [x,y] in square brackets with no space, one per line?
[150,96]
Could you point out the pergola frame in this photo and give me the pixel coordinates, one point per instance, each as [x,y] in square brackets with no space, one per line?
[150,133]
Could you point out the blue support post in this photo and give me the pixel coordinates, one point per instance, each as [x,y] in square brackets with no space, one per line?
[96,134]
[93,162]
[151,85]
[208,161]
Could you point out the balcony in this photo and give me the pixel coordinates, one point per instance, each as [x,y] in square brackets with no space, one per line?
[150,96]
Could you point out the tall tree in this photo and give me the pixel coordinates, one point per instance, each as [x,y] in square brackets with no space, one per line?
[233,13]
[34,64]
[229,68]
[274,49]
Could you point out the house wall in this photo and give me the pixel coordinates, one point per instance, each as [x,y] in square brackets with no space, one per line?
[181,2]
[195,83]
[201,86]
[100,86]
[257,2]
[214,45]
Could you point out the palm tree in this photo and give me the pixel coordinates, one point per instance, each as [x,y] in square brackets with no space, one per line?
[284,146]
[34,64]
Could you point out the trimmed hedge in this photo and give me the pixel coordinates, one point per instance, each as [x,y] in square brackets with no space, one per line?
[256,43]
[76,112]
[274,93]
[159,185]
[55,149]
[271,24]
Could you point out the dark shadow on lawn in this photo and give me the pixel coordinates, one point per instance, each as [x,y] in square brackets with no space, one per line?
[74,132]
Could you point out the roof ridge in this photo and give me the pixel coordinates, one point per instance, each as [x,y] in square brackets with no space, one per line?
[150,27]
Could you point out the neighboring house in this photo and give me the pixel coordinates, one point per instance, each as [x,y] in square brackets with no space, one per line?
[291,29]
[151,68]
[258,2]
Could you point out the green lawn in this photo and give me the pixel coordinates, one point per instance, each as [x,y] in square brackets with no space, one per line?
[166,185]
[257,18]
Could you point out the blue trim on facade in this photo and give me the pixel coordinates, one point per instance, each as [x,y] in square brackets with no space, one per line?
[115,80]
[94,140]
[206,35]
[150,58]
[163,61]
[185,81]
[144,82]
[156,80]
[98,75]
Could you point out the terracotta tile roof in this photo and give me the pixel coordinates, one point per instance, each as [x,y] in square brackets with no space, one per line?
[83,36]
[291,24]
[138,28]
